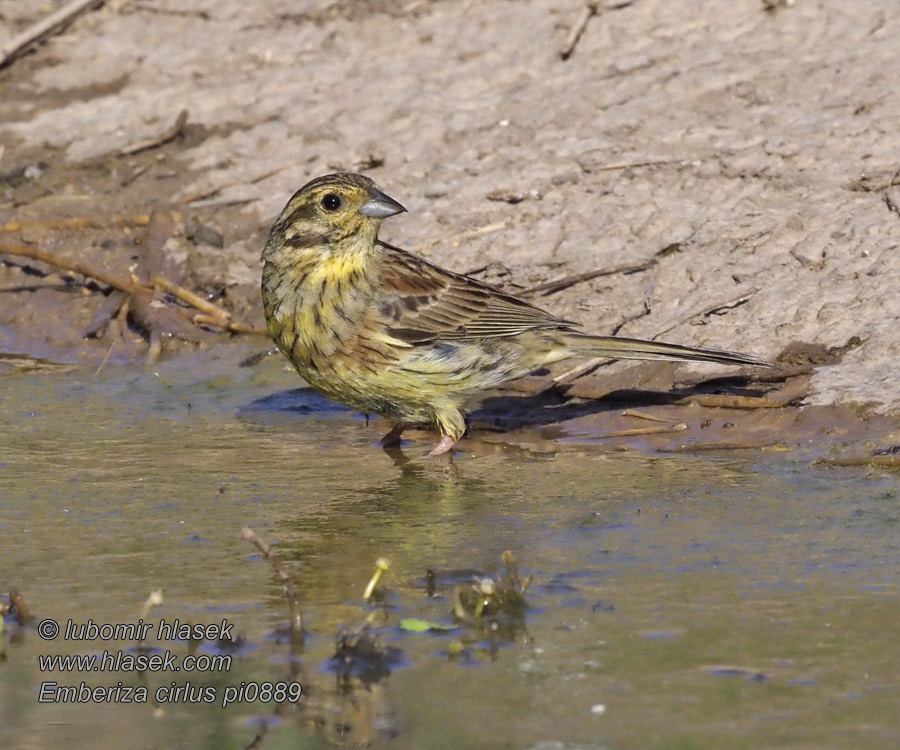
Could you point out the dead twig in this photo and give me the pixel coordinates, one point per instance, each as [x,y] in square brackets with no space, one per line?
[643,415]
[871,184]
[154,351]
[290,593]
[643,313]
[587,13]
[162,322]
[557,285]
[210,320]
[381,565]
[145,8]
[576,372]
[689,447]
[81,222]
[141,297]
[76,266]
[722,401]
[209,190]
[457,239]
[730,305]
[676,427]
[155,599]
[217,316]
[103,363]
[634,165]
[155,257]
[169,134]
[888,461]
[108,310]
[244,328]
[891,203]
[45,28]
[712,310]
[33,364]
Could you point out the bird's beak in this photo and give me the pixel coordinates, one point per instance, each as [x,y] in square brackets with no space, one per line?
[380,206]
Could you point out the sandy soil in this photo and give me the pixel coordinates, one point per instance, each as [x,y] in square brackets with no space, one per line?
[745,156]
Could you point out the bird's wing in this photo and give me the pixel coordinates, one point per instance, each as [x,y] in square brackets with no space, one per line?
[419,302]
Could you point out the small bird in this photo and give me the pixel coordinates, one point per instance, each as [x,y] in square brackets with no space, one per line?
[387,332]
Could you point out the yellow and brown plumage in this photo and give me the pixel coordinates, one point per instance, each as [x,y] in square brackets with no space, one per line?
[387,332]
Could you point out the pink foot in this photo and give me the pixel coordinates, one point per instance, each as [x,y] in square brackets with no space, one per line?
[444,446]
[394,435]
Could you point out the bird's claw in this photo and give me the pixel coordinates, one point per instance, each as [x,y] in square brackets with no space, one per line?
[442,447]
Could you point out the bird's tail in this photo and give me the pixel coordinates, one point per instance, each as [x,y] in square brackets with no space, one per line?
[615,347]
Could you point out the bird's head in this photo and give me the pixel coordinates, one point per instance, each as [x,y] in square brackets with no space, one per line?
[331,209]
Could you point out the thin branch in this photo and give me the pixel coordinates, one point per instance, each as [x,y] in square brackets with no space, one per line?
[243,328]
[45,28]
[217,315]
[201,319]
[712,310]
[81,222]
[587,13]
[85,269]
[210,314]
[725,401]
[210,190]
[636,164]
[674,427]
[643,415]
[457,239]
[290,593]
[557,285]
[103,363]
[736,302]
[169,134]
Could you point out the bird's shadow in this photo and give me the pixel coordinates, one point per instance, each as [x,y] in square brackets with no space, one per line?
[297,400]
[509,411]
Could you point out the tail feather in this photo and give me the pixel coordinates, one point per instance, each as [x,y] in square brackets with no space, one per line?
[615,347]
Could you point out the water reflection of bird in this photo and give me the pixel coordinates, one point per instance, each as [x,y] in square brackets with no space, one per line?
[390,333]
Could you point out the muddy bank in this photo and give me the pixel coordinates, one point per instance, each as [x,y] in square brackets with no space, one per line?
[698,174]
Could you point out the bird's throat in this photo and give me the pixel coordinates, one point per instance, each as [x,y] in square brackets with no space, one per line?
[315,303]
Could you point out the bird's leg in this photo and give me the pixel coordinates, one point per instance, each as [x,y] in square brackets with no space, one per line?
[444,446]
[451,421]
[393,436]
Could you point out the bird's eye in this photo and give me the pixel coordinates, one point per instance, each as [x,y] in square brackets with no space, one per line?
[331,202]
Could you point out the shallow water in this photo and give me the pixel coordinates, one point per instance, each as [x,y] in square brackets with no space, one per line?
[735,601]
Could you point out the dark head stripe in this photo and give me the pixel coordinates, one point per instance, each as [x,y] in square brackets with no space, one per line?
[347,179]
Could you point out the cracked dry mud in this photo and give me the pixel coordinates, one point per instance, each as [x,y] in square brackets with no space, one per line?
[744,160]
